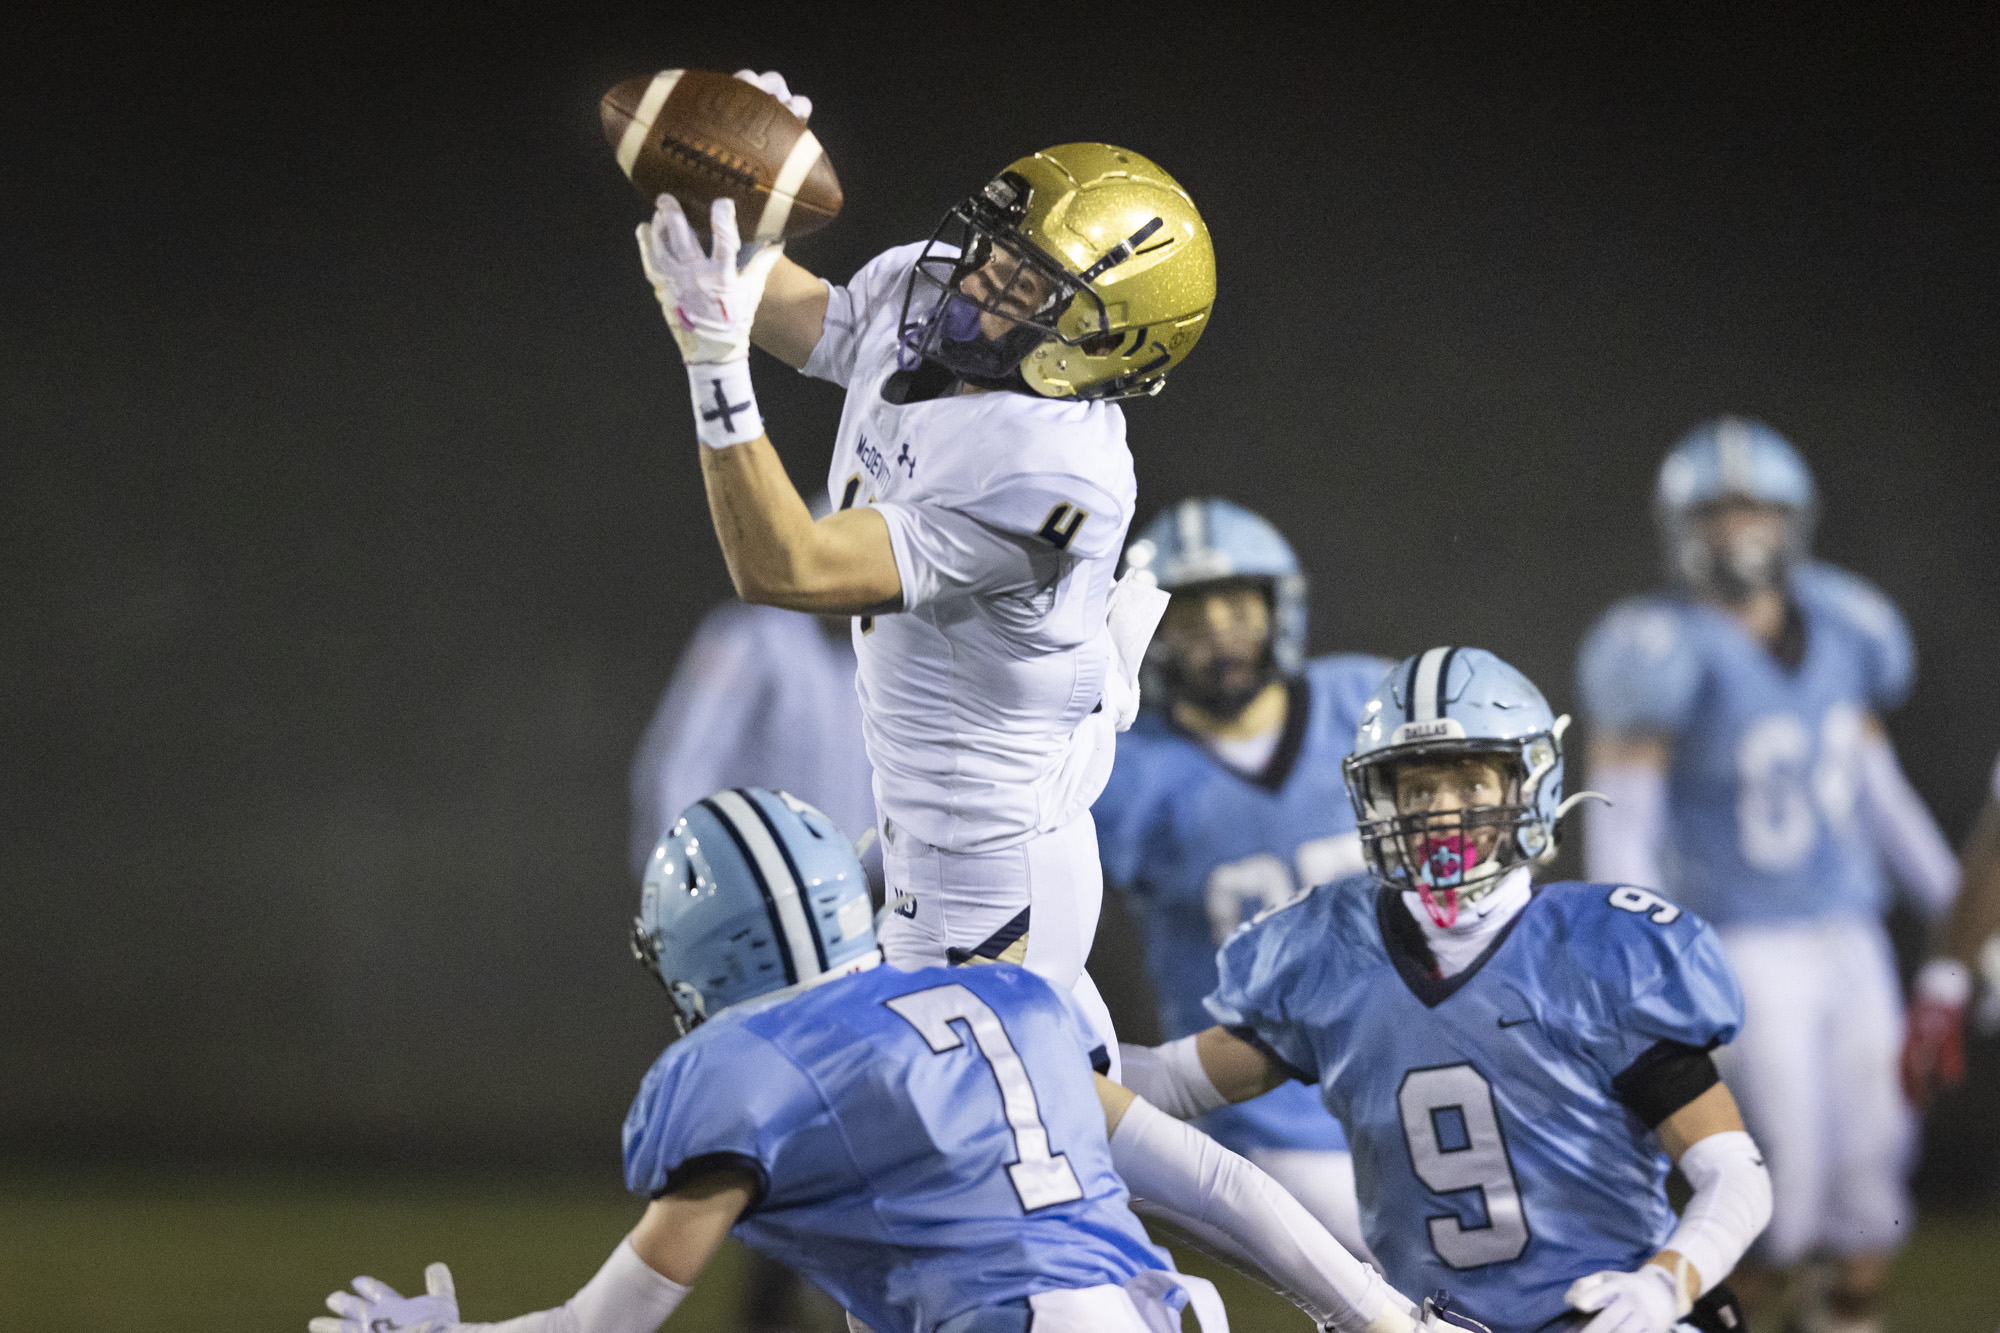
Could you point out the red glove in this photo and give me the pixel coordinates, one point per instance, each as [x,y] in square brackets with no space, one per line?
[1934,1043]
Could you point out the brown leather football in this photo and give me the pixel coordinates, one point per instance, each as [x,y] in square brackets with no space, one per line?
[699,135]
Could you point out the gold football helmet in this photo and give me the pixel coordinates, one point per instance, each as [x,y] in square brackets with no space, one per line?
[1083,271]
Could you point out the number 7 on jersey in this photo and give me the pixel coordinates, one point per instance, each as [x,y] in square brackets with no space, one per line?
[1041,1178]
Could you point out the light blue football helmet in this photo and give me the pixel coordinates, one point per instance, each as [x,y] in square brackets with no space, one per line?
[1732,458]
[751,893]
[1442,704]
[1204,540]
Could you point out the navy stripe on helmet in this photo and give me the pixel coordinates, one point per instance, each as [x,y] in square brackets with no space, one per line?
[763,887]
[1410,688]
[805,903]
[1444,675]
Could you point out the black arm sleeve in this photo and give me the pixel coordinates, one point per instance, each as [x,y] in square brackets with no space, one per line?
[716,1163]
[1666,1077]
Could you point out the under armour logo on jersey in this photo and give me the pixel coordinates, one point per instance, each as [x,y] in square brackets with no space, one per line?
[908,460]
[1059,528]
[723,409]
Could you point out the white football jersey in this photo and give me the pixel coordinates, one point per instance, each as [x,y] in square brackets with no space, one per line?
[980,699]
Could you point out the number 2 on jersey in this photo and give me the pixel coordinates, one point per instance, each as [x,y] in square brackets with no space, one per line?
[1453,1132]
[1041,1178]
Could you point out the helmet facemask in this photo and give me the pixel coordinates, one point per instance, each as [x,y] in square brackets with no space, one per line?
[1208,689]
[690,1012]
[1735,548]
[982,298]
[1453,858]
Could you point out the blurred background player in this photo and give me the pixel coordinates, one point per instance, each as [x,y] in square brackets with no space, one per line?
[983,489]
[1514,1066]
[1227,799]
[963,1175]
[1734,723]
[1966,954]
[761,697]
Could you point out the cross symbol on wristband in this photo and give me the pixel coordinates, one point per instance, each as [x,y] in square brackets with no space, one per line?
[724,409]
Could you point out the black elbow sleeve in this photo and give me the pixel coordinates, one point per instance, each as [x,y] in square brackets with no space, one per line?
[1668,1076]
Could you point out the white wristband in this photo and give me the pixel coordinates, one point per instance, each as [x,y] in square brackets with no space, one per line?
[725,406]
[626,1296]
[1170,1077]
[1731,1204]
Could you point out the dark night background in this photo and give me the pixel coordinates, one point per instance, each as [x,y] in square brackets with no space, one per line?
[351,516]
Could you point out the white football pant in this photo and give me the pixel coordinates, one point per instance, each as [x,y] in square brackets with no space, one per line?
[1814,1070]
[970,901]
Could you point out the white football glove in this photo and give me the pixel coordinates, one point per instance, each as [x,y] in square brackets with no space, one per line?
[1650,1300]
[799,105]
[773,83]
[378,1309]
[709,302]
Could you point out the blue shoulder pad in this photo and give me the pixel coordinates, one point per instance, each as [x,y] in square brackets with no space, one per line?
[1657,970]
[1347,679]
[1640,669]
[1268,969]
[1889,657]
[714,1099]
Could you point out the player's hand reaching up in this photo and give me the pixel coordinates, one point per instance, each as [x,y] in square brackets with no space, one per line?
[1646,1301]
[710,302]
[773,83]
[710,297]
[375,1307]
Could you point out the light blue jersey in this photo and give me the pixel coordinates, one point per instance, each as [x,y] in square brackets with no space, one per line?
[1200,848]
[1496,1150]
[924,1142]
[1761,820]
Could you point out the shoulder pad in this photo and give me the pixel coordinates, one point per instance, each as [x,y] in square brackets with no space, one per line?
[1890,659]
[1640,667]
[1658,969]
[885,275]
[1350,677]
[1069,510]
[1627,937]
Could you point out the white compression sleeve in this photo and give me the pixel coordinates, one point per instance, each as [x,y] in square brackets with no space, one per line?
[1622,840]
[1170,1077]
[1229,1207]
[626,1296]
[1730,1206]
[1902,829]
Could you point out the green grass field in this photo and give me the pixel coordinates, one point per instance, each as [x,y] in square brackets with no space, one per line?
[233,1251]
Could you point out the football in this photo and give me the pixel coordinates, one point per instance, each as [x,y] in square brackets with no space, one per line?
[700,136]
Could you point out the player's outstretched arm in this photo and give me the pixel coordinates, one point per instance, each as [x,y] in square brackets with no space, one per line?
[1730,1206]
[776,554]
[792,315]
[643,1281]
[1228,1207]
[1195,1075]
